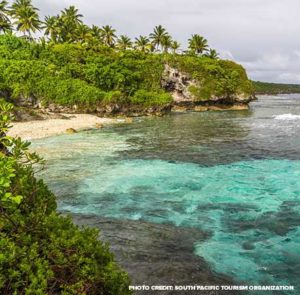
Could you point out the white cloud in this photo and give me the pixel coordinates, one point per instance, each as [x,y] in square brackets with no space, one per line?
[275,66]
[287,77]
[226,54]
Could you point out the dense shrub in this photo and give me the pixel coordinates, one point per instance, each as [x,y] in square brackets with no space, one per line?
[71,74]
[11,42]
[68,92]
[42,252]
[147,98]
[20,77]
[114,97]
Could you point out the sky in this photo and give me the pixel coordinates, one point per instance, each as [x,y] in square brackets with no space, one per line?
[262,35]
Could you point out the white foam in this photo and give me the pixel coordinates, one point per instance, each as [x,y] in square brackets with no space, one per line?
[287,117]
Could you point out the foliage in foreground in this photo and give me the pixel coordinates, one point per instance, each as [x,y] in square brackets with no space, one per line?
[42,252]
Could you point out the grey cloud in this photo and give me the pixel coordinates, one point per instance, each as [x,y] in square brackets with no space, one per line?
[262,35]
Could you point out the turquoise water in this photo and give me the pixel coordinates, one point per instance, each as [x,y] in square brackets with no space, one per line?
[233,174]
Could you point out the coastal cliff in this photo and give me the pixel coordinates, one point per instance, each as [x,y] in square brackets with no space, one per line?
[69,78]
[185,91]
[182,86]
[186,94]
[205,84]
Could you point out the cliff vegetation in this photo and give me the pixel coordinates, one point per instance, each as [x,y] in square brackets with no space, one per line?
[89,68]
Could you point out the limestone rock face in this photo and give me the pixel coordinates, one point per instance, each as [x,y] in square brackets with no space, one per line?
[201,109]
[212,107]
[178,84]
[179,109]
[234,107]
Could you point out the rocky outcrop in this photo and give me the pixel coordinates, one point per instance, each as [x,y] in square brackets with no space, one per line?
[206,108]
[132,110]
[40,111]
[23,114]
[174,81]
[179,84]
[71,131]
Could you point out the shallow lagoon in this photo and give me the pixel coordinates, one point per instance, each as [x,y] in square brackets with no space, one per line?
[232,174]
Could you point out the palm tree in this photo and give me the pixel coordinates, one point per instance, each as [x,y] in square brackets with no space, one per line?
[3,9]
[26,17]
[68,22]
[83,33]
[175,46]
[166,43]
[143,44]
[28,22]
[152,47]
[96,32]
[124,42]
[71,16]
[19,5]
[108,35]
[51,26]
[212,53]
[198,44]
[5,24]
[96,37]
[159,33]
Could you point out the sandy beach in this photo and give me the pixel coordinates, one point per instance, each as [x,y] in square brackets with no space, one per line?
[50,127]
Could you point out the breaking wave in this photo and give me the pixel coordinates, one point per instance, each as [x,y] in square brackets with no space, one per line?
[287,117]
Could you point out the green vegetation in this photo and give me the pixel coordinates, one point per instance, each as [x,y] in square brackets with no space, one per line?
[198,44]
[68,74]
[88,67]
[42,252]
[275,88]
[217,78]
[72,64]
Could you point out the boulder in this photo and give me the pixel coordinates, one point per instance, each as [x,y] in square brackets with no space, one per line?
[179,109]
[71,131]
[201,108]
[234,107]
[98,125]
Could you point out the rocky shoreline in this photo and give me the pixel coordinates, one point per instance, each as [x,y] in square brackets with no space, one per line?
[157,254]
[210,107]
[61,119]
[184,90]
[56,124]
[39,123]
[53,111]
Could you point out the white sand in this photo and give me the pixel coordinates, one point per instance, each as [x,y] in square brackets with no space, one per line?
[50,127]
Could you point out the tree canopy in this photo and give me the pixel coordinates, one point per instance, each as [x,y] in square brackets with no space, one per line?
[68,26]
